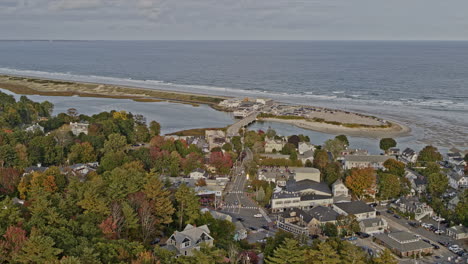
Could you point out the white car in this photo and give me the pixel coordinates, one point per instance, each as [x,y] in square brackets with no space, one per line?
[454,247]
[439,231]
[258,215]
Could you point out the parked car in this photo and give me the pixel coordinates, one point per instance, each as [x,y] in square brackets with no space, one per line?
[258,215]
[265,227]
[240,219]
[362,234]
[439,232]
[443,243]
[389,211]
[155,241]
[253,228]
[352,238]
[425,240]
[397,216]
[435,246]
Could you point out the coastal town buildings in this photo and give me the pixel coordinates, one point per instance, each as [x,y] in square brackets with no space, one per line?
[408,156]
[412,205]
[373,226]
[34,127]
[357,208]
[274,145]
[215,138]
[458,232]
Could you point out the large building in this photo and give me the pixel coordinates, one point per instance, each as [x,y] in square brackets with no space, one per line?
[304,173]
[357,208]
[365,161]
[404,244]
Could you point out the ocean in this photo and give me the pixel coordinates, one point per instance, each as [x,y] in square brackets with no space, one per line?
[423,84]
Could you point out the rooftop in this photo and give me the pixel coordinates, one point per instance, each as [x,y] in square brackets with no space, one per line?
[323,214]
[413,245]
[299,186]
[367,158]
[355,207]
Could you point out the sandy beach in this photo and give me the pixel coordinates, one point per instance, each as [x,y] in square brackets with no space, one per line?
[396,130]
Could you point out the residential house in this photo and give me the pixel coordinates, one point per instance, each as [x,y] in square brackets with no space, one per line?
[215,138]
[184,243]
[241,231]
[457,232]
[35,127]
[306,156]
[340,192]
[393,151]
[452,204]
[457,181]
[78,128]
[373,225]
[303,147]
[230,103]
[412,205]
[404,244]
[361,152]
[198,174]
[357,208]
[276,175]
[274,145]
[408,156]
[365,161]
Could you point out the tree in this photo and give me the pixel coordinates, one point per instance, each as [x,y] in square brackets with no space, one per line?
[361,181]
[429,154]
[187,205]
[287,253]
[323,254]
[38,249]
[227,147]
[8,156]
[431,168]
[293,156]
[160,197]
[142,133]
[437,184]
[352,254]
[332,172]
[387,143]
[320,159]
[114,143]
[155,128]
[288,149]
[10,214]
[260,194]
[330,230]
[271,133]
[395,167]
[385,257]
[222,162]
[335,146]
[389,186]
[343,138]
[15,237]
[82,153]
[237,143]
[308,164]
[9,179]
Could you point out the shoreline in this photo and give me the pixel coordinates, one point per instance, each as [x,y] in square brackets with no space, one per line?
[25,85]
[397,130]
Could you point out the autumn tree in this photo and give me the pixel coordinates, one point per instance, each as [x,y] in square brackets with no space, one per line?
[387,143]
[160,198]
[114,143]
[14,239]
[154,128]
[437,184]
[38,249]
[9,179]
[385,257]
[394,166]
[361,181]
[187,205]
[82,153]
[323,254]
[222,162]
[320,159]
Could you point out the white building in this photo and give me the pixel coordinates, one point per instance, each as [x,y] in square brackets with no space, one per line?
[78,128]
[34,127]
[198,174]
[365,161]
[304,173]
[304,147]
[357,208]
[274,145]
[191,238]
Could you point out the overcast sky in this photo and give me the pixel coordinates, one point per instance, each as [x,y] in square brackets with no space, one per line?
[234,19]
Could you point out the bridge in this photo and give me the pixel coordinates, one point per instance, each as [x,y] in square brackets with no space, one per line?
[233,130]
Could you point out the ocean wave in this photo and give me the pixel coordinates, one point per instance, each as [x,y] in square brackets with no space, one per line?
[307,97]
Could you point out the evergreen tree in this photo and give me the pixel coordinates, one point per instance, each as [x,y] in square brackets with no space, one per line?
[385,257]
[287,253]
[187,205]
[37,249]
[160,197]
[324,254]
[260,194]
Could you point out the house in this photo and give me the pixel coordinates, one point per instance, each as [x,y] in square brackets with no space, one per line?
[230,103]
[35,127]
[303,147]
[414,206]
[361,152]
[274,145]
[304,173]
[452,204]
[306,156]
[457,181]
[404,244]
[78,128]
[81,169]
[455,159]
[37,168]
[408,156]
[340,192]
[393,151]
[241,231]
[275,175]
[365,161]
[190,239]
[373,225]
[357,208]
[295,221]
[457,232]
[320,216]
[198,174]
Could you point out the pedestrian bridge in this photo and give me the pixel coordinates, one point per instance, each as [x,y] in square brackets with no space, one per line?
[233,130]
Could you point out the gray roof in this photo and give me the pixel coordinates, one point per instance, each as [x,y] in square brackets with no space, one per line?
[368,158]
[403,247]
[191,232]
[298,186]
[312,197]
[282,195]
[323,214]
[370,222]
[298,213]
[304,170]
[355,207]
[459,229]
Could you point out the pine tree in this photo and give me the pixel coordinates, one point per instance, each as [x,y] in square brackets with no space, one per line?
[385,257]
[155,191]
[287,253]
[131,218]
[37,249]
[187,205]
[324,254]
[260,194]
